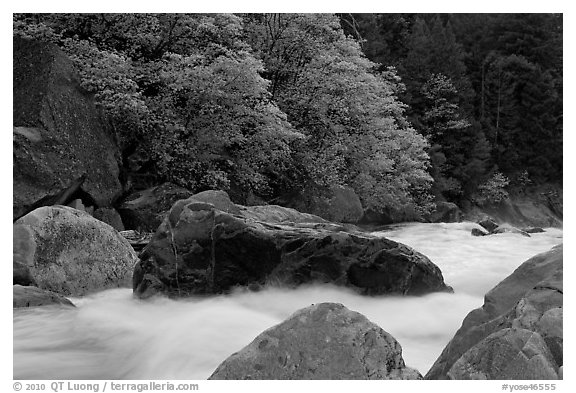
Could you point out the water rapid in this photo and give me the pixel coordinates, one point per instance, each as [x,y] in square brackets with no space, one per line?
[111,335]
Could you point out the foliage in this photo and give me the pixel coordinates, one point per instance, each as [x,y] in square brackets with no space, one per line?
[356,132]
[185,89]
[493,190]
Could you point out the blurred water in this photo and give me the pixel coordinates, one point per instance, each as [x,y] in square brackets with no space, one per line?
[111,335]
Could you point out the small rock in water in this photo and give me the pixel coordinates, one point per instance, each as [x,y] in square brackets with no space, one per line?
[478,232]
[533,230]
[489,224]
[509,229]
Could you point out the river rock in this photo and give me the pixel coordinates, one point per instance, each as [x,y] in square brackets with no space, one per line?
[505,228]
[517,330]
[533,230]
[27,296]
[478,232]
[200,249]
[489,224]
[70,252]
[145,210]
[62,149]
[323,341]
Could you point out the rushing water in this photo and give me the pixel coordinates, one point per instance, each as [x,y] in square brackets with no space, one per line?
[110,335]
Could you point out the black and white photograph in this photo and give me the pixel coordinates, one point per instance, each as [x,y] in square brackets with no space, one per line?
[287,196]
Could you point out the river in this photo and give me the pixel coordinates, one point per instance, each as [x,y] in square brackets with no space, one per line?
[111,335]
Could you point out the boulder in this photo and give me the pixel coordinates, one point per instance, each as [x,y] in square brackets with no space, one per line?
[505,228]
[200,249]
[145,210]
[110,216]
[62,149]
[217,198]
[478,232]
[323,341]
[69,252]
[25,296]
[445,212]
[517,330]
[278,214]
[489,224]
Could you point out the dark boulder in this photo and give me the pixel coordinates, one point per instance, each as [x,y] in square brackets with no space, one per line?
[67,251]
[323,341]
[478,232]
[489,224]
[517,333]
[145,210]
[200,249]
[26,296]
[61,147]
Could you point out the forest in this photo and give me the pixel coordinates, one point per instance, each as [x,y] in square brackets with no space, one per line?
[405,109]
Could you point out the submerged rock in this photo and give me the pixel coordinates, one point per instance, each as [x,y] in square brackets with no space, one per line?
[517,333]
[323,341]
[200,249]
[70,252]
[33,297]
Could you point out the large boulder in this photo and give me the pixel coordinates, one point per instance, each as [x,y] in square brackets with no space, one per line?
[145,210]
[323,341]
[26,296]
[517,331]
[69,252]
[61,147]
[200,249]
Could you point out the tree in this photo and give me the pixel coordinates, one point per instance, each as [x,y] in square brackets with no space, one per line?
[186,89]
[356,132]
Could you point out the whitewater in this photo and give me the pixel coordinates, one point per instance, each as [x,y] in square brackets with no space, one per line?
[111,335]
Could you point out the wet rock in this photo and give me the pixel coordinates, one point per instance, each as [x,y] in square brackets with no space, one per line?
[533,230]
[509,229]
[27,296]
[323,341]
[518,329]
[69,252]
[478,232]
[489,224]
[201,249]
